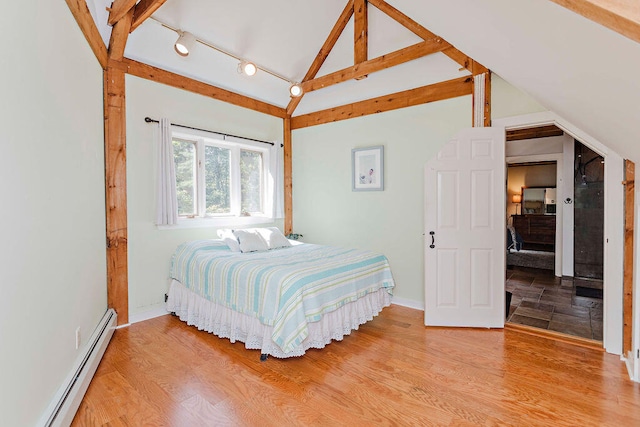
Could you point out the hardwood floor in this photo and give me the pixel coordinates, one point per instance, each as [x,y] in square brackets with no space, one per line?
[393,371]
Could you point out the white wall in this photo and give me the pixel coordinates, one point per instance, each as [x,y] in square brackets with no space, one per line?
[326,211]
[150,248]
[52,190]
[508,100]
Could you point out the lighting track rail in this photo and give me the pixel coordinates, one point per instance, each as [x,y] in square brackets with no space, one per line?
[295,88]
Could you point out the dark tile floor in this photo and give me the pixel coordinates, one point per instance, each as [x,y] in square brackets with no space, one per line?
[544,301]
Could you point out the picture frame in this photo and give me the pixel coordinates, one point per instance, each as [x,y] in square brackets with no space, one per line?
[367,169]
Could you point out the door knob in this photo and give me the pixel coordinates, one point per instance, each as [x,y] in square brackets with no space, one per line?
[433,239]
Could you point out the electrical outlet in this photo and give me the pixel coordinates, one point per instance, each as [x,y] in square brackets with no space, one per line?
[78,337]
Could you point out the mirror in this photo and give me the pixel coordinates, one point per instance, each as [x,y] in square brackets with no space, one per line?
[538,200]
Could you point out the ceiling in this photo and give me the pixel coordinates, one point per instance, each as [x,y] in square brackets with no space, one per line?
[580,70]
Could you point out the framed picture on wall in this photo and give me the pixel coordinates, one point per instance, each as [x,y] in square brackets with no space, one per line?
[367,169]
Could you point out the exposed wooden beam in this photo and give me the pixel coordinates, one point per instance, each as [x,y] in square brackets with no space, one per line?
[401,56]
[168,78]
[533,133]
[288,181]
[119,36]
[487,100]
[425,34]
[422,95]
[143,10]
[329,43]
[621,16]
[116,192]
[627,281]
[360,34]
[118,9]
[88,27]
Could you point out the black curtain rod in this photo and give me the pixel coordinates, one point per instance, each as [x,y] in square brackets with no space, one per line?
[150,120]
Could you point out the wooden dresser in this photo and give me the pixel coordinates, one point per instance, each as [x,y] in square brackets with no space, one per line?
[537,231]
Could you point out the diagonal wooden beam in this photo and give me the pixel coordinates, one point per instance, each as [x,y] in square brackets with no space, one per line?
[118,9]
[143,10]
[119,36]
[401,56]
[620,16]
[168,78]
[422,95]
[329,43]
[360,33]
[88,27]
[422,32]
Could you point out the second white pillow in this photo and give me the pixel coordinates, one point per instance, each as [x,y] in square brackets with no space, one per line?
[250,241]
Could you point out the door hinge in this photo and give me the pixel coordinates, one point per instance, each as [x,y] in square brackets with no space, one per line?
[638,354]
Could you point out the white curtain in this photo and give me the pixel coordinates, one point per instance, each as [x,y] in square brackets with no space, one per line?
[277,171]
[167,201]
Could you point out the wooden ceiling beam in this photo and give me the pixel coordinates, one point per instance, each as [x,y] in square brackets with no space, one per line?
[87,25]
[322,55]
[119,36]
[143,10]
[168,78]
[622,17]
[360,34]
[401,56]
[118,9]
[533,133]
[413,26]
[422,95]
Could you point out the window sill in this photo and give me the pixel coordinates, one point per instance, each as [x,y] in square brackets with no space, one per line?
[218,222]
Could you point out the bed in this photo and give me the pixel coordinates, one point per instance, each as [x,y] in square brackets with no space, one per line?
[281,301]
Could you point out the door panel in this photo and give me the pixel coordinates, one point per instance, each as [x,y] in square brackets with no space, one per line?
[465,210]
[446,294]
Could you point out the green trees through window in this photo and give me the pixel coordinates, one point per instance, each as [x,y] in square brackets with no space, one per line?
[215,179]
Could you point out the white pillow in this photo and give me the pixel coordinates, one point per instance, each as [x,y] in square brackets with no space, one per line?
[274,237]
[250,241]
[229,238]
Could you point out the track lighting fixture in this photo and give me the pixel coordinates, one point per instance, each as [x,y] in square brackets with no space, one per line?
[247,68]
[185,43]
[295,90]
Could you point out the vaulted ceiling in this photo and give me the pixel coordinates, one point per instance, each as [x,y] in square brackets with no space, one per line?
[577,68]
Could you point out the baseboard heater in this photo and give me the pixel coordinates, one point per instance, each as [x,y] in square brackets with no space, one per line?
[68,398]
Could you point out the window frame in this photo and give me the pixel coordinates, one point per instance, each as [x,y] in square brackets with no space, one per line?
[235,145]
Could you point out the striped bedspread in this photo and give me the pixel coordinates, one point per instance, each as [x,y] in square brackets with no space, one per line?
[285,288]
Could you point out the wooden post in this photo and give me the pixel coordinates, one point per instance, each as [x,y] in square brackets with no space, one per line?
[288,182]
[116,192]
[487,99]
[627,281]
[360,33]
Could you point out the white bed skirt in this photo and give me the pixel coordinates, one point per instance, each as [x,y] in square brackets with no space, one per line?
[226,323]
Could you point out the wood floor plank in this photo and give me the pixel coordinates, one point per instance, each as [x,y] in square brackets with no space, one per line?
[392,371]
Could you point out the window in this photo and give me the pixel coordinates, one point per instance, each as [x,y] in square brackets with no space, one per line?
[218,178]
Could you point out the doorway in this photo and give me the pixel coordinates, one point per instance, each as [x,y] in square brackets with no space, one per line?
[540,295]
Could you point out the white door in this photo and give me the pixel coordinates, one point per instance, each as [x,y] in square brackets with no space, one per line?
[465,222]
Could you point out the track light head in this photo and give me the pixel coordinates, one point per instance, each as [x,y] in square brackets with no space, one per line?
[247,68]
[295,90]
[185,43]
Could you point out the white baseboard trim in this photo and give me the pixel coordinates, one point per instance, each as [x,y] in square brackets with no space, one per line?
[66,401]
[629,361]
[150,312]
[408,303]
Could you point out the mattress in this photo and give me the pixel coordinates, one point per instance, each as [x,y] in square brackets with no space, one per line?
[284,293]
